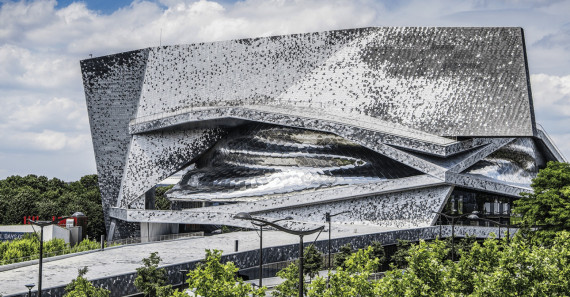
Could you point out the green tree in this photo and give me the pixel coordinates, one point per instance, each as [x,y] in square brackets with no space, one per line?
[464,245]
[212,278]
[345,252]
[161,202]
[313,261]
[150,279]
[352,281]
[290,286]
[493,268]
[399,257]
[81,287]
[426,273]
[379,253]
[549,204]
[521,269]
[39,196]
[21,202]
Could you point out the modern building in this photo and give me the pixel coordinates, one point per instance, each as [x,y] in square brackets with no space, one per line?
[389,124]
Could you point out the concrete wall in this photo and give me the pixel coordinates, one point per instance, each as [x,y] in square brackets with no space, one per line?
[50,232]
[75,235]
[53,231]
[153,231]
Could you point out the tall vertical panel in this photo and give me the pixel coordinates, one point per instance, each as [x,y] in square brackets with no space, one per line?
[112,90]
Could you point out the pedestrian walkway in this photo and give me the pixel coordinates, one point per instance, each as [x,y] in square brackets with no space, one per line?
[125,259]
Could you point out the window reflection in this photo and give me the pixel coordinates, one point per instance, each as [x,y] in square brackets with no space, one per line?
[489,205]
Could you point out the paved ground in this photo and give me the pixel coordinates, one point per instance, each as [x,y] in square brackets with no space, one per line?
[125,259]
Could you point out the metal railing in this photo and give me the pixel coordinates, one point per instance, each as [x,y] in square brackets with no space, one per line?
[551,141]
[144,239]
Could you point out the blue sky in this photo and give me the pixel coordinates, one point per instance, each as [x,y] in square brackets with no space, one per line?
[44,128]
[102,6]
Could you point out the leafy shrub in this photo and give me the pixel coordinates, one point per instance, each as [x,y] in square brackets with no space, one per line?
[345,252]
[81,287]
[28,248]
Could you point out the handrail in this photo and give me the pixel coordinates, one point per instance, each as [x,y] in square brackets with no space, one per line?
[551,141]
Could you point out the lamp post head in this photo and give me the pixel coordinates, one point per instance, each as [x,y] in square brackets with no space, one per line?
[473,216]
[30,286]
[283,219]
[243,216]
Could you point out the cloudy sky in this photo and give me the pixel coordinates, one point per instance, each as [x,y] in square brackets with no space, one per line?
[44,128]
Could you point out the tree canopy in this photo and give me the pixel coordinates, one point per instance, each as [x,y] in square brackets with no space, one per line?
[549,204]
[313,261]
[212,278]
[81,287]
[151,280]
[33,195]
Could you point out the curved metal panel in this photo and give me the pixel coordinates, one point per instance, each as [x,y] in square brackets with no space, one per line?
[258,159]
[515,163]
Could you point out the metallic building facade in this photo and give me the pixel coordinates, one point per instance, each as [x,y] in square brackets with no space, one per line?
[388,123]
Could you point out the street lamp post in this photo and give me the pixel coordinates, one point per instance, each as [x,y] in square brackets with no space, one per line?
[261,225]
[183,272]
[30,287]
[453,218]
[42,224]
[247,216]
[328,217]
[474,216]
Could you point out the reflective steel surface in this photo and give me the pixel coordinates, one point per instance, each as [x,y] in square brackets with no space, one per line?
[517,162]
[444,101]
[259,159]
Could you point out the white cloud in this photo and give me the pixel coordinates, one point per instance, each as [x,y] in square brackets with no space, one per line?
[47,140]
[551,96]
[20,17]
[59,113]
[40,47]
[22,68]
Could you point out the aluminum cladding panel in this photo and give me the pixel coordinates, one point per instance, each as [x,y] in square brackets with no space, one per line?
[443,81]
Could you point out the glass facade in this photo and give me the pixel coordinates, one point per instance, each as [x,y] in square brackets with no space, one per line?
[489,205]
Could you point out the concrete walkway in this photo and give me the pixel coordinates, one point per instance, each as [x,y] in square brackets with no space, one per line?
[120,260]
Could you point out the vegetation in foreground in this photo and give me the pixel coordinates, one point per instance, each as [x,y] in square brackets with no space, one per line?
[28,248]
[489,268]
[81,287]
[533,263]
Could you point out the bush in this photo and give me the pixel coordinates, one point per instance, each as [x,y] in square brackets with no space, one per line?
[313,261]
[81,287]
[345,252]
[28,248]
[212,278]
[379,253]
[399,257]
[151,280]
